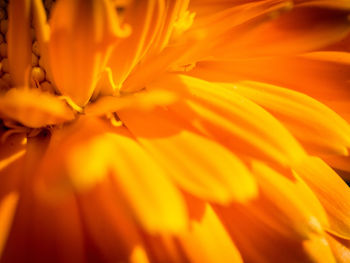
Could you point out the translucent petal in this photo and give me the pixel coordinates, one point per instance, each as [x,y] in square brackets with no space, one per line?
[82,33]
[34,108]
[198,164]
[19,41]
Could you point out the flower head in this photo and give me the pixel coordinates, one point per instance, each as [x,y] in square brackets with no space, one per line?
[174,131]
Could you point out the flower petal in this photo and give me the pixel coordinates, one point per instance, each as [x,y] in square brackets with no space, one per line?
[336,4]
[208,241]
[42,30]
[82,33]
[145,19]
[113,234]
[322,75]
[300,30]
[314,124]
[232,119]
[332,192]
[142,100]
[340,248]
[188,157]
[7,210]
[33,108]
[292,210]
[264,243]
[90,150]
[19,42]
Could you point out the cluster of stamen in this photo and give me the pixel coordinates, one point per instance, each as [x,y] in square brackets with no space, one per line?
[38,77]
[5,79]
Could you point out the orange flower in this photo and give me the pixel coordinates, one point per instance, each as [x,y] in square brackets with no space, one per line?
[174,131]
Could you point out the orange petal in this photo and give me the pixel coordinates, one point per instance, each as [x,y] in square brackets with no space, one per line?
[54,228]
[198,164]
[300,30]
[314,124]
[45,231]
[223,114]
[340,248]
[338,162]
[260,242]
[336,4]
[332,192]
[90,150]
[145,19]
[113,234]
[82,33]
[42,30]
[319,250]
[208,241]
[142,100]
[33,108]
[321,75]
[287,204]
[7,210]
[19,42]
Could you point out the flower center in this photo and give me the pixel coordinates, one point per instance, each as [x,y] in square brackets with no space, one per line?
[39,79]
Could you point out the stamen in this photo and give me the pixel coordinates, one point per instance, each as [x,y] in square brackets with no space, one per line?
[5,79]
[114,119]
[8,133]
[71,103]
[14,128]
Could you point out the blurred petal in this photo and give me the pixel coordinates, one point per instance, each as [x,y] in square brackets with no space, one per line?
[261,242]
[90,150]
[311,122]
[208,241]
[332,192]
[321,75]
[82,33]
[42,30]
[292,211]
[33,108]
[145,19]
[340,248]
[113,233]
[232,119]
[336,4]
[319,250]
[298,31]
[7,210]
[19,42]
[219,177]
[142,100]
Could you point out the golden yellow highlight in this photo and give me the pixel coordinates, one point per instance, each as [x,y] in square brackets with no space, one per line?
[174,131]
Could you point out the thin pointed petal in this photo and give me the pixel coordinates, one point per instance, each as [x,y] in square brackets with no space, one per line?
[19,42]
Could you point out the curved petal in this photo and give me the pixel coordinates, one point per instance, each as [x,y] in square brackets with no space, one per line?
[340,248]
[208,241]
[7,210]
[145,19]
[301,30]
[87,152]
[332,192]
[317,126]
[264,243]
[231,119]
[197,163]
[142,100]
[287,204]
[113,234]
[19,42]
[34,108]
[82,33]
